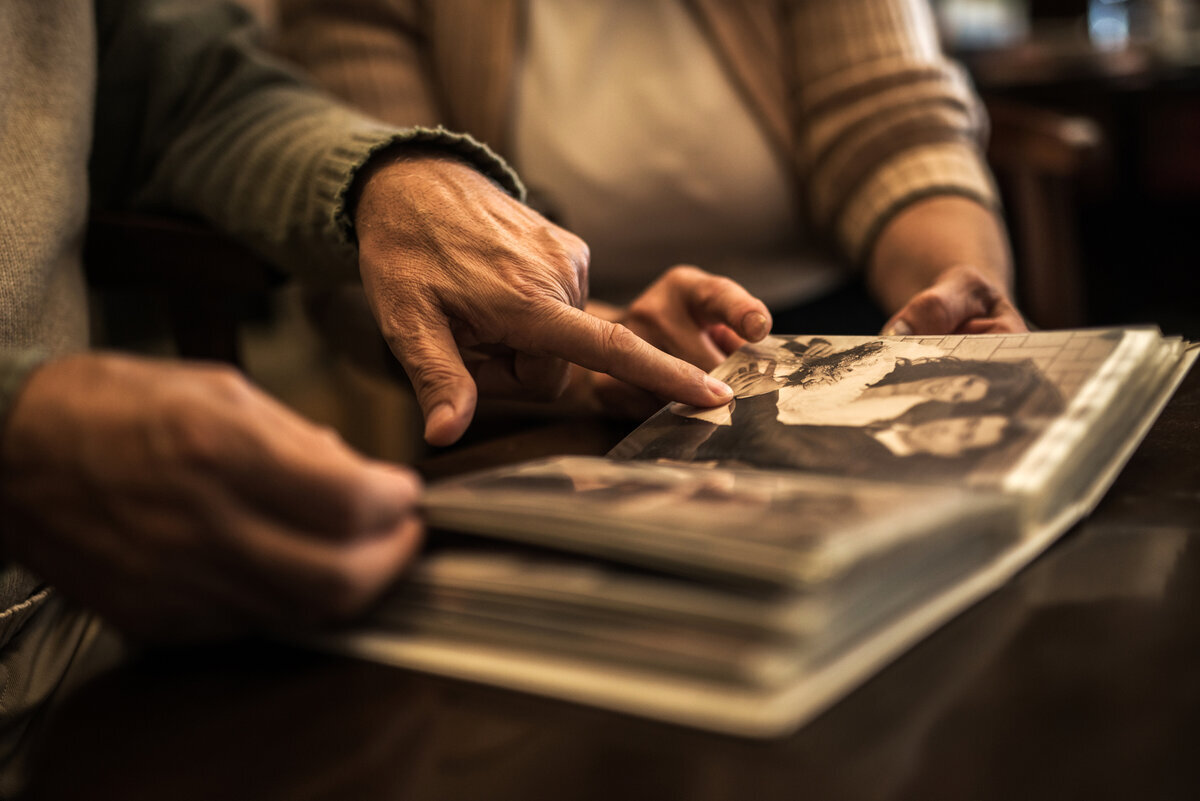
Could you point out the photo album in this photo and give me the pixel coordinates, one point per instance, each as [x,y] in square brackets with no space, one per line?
[740,568]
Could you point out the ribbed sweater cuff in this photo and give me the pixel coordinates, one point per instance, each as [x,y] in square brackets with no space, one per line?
[344,163]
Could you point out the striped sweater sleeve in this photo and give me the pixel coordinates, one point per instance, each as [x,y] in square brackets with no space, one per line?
[193,117]
[883,118]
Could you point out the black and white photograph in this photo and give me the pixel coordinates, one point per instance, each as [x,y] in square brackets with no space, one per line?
[892,409]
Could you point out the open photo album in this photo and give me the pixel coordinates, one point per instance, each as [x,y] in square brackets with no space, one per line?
[740,568]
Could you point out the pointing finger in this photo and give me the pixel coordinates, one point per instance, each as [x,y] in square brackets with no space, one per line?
[611,348]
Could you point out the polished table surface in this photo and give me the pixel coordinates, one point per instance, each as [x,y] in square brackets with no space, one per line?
[1078,679]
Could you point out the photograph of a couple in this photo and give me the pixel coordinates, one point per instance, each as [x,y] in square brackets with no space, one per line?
[876,408]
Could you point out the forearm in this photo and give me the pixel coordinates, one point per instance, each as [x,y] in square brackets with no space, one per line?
[931,236]
[881,117]
[193,118]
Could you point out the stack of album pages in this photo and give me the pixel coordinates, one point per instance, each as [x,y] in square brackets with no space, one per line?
[741,568]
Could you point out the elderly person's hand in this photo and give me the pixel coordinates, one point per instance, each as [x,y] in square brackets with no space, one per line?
[963,300]
[181,503]
[451,264]
[942,267]
[689,313]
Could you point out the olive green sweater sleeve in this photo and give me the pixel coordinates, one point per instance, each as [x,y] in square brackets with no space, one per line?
[193,118]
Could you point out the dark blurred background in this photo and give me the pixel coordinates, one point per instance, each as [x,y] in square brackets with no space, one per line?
[1110,197]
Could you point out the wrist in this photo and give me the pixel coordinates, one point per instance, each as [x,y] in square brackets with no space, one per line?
[400,165]
[423,151]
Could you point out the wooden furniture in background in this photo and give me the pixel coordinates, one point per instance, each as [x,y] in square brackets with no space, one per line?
[1038,157]
[1135,202]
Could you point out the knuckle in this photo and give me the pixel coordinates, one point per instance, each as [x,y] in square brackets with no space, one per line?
[577,251]
[715,281]
[202,422]
[568,258]
[544,311]
[545,283]
[402,323]
[229,385]
[980,286]
[683,273]
[560,251]
[716,287]
[645,310]
[971,274]
[196,439]
[620,342]
[211,419]
[431,371]
[932,310]
[571,245]
[328,435]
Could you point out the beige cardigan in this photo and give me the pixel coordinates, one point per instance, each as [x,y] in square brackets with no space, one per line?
[855,94]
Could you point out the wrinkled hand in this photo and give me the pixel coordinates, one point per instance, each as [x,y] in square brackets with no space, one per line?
[691,314]
[963,300]
[182,503]
[451,264]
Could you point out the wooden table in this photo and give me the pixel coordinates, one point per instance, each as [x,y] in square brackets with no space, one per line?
[1079,679]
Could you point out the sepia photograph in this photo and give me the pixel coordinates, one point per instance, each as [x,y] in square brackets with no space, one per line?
[875,408]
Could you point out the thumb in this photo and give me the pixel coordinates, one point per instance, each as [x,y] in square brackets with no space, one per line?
[941,308]
[444,387]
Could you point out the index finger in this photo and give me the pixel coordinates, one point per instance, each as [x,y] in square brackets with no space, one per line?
[612,348]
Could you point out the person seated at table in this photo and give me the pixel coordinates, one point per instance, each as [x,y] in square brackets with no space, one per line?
[783,144]
[176,500]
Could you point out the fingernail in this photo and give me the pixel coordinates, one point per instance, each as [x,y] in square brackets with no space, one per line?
[755,325]
[441,415]
[718,388]
[898,329]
